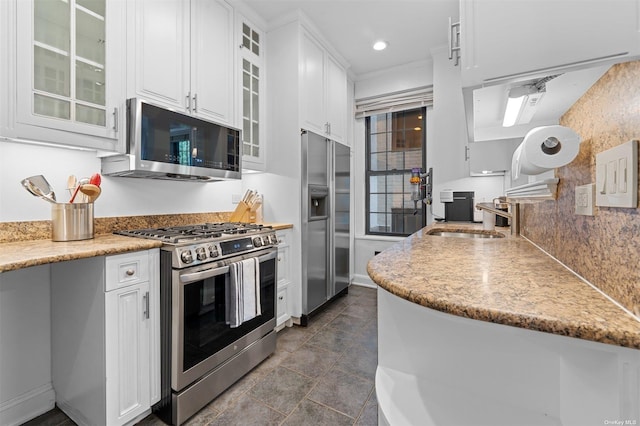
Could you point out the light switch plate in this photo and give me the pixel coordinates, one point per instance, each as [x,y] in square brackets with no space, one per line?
[585,196]
[617,176]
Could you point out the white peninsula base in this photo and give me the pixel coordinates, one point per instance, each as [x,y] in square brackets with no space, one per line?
[441,369]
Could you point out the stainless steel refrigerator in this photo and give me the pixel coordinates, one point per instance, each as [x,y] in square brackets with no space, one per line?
[325,221]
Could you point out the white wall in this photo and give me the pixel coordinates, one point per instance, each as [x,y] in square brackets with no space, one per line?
[25,352]
[120,196]
[396,79]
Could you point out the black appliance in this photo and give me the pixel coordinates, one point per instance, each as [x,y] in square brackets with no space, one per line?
[461,209]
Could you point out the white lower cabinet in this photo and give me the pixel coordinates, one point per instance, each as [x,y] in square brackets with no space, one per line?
[105,337]
[283,299]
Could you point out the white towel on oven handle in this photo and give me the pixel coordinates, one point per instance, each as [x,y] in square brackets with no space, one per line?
[243,292]
[250,289]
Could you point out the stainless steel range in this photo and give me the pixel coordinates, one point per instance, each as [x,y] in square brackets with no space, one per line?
[202,351]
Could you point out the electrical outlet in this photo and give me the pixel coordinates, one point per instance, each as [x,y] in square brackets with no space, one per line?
[585,194]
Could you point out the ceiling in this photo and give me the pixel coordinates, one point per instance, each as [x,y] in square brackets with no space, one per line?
[410,27]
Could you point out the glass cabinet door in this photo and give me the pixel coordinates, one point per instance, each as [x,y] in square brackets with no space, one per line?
[69,60]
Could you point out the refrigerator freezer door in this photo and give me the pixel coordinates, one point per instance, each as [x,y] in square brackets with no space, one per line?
[341,216]
[316,264]
[317,157]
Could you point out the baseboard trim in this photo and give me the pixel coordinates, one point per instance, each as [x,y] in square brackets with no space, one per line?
[364,281]
[27,406]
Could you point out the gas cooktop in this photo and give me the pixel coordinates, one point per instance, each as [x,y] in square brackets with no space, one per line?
[194,233]
[192,245]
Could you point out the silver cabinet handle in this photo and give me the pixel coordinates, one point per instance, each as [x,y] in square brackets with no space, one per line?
[188,105]
[195,103]
[280,297]
[145,303]
[130,272]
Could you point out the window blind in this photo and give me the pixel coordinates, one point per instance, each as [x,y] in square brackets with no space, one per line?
[399,101]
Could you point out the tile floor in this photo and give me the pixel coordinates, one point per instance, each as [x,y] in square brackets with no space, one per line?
[322,374]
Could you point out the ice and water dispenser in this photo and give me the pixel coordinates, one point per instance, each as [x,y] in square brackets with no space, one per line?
[318,202]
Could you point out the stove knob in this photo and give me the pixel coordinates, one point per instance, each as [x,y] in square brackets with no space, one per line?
[186,256]
[201,253]
[257,242]
[273,238]
[213,251]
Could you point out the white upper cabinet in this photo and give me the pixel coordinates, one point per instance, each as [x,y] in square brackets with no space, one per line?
[501,39]
[182,56]
[67,79]
[323,91]
[251,72]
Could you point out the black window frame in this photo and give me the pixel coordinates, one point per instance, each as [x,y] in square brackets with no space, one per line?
[393,172]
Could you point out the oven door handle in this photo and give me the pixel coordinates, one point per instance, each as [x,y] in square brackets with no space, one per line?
[202,275]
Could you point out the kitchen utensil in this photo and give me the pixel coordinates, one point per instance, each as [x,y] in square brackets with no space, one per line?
[91,191]
[38,186]
[72,182]
[95,179]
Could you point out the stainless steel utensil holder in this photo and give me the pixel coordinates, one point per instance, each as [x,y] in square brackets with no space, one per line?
[71,221]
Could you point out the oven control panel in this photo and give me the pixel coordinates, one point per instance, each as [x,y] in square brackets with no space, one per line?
[199,253]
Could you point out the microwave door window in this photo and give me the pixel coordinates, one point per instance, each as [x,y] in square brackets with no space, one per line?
[180,144]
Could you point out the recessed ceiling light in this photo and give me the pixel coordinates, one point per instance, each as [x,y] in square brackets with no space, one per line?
[380,45]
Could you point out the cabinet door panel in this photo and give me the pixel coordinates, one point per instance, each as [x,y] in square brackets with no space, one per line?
[336,100]
[212,60]
[161,55]
[127,358]
[504,38]
[312,85]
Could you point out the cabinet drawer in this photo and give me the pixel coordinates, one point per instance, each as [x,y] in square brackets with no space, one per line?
[126,269]
[283,238]
[282,308]
[283,264]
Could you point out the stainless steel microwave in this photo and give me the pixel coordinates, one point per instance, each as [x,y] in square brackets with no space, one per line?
[165,144]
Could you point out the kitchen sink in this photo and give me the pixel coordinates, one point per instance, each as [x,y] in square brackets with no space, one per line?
[464,234]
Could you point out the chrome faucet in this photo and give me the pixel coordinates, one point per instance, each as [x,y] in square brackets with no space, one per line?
[513,214]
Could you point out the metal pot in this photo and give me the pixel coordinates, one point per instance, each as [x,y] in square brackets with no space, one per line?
[71,222]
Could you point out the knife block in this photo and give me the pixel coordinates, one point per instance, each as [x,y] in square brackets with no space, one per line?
[243,213]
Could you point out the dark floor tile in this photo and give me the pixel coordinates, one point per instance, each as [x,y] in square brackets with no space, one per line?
[269,364]
[332,339]
[312,413]
[369,416]
[247,412]
[358,292]
[368,337]
[54,417]
[311,361]
[359,360]
[342,391]
[291,338]
[203,417]
[282,389]
[348,323]
[361,311]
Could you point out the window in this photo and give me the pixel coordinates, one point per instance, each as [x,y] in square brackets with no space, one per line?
[395,144]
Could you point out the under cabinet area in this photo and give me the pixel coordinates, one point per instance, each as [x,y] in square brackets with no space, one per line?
[503,39]
[182,56]
[105,346]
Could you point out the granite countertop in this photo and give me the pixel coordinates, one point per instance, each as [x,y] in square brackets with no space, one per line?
[25,253]
[22,254]
[501,280]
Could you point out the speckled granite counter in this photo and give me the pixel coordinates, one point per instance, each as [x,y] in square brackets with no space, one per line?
[504,280]
[20,253]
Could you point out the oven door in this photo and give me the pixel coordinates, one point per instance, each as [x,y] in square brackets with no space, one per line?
[202,339]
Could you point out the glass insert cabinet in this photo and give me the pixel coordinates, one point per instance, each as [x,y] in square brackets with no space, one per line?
[67,64]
